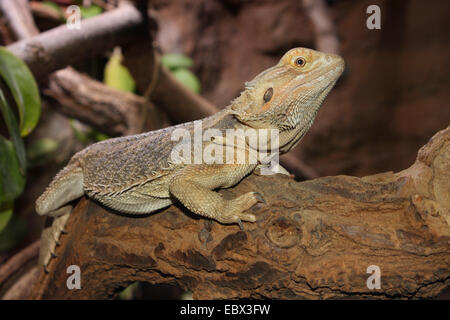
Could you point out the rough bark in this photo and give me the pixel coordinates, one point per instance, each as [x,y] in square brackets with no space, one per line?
[313,239]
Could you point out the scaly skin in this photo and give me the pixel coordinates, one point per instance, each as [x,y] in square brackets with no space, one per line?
[136,175]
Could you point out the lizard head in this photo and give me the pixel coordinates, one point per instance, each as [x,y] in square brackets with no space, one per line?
[289,93]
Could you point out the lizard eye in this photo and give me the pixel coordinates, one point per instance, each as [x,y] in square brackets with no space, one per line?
[300,61]
[268,95]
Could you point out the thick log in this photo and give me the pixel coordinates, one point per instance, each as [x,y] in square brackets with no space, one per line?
[313,239]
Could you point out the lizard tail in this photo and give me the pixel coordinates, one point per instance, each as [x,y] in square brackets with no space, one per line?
[65,187]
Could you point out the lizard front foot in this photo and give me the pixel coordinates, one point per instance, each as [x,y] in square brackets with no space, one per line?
[234,209]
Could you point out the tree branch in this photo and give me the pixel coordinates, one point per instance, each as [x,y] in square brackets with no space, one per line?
[17,261]
[108,110]
[324,29]
[177,101]
[105,109]
[314,239]
[18,15]
[61,46]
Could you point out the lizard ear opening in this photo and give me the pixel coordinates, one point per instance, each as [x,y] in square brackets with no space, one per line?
[268,95]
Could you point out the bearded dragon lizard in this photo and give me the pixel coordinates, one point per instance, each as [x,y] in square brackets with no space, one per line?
[135,174]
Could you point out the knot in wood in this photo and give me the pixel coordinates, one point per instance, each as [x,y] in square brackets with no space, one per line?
[284,233]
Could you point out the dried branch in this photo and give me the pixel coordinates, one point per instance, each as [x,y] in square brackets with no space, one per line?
[40,10]
[17,261]
[78,96]
[108,110]
[17,13]
[314,239]
[324,29]
[177,101]
[61,46]
[21,289]
[297,166]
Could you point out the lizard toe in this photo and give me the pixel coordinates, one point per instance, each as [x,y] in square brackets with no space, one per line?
[259,197]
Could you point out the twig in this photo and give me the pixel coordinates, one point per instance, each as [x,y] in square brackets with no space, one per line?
[108,110]
[297,166]
[61,46]
[177,101]
[40,10]
[18,14]
[17,261]
[21,289]
[326,38]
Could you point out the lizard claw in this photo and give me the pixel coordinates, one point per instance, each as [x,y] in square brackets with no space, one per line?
[259,197]
[241,225]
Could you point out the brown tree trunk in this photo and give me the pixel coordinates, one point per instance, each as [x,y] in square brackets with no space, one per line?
[313,239]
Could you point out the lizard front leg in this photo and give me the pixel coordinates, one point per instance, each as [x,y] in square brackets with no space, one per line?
[193,186]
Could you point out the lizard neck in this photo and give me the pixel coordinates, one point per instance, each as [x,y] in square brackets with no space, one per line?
[216,119]
[291,136]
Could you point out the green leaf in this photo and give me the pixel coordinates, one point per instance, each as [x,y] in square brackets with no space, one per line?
[6,210]
[174,61]
[187,78]
[23,87]
[39,151]
[91,11]
[79,134]
[13,234]
[116,75]
[99,136]
[12,182]
[55,8]
[13,129]
[129,292]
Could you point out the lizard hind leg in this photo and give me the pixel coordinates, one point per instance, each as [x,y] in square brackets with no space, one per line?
[65,187]
[51,234]
[194,188]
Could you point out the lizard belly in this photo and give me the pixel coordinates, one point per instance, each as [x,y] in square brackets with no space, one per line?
[134,203]
[140,199]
